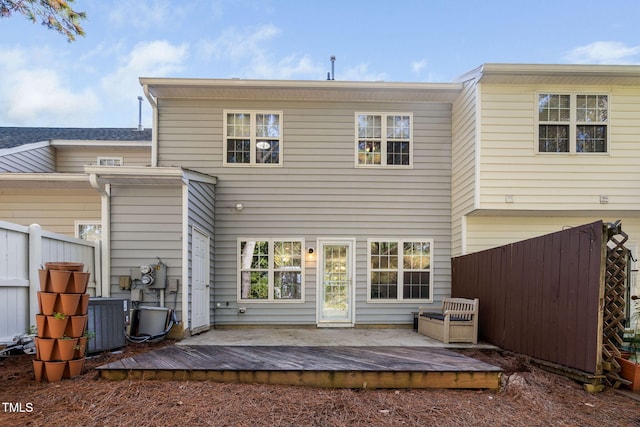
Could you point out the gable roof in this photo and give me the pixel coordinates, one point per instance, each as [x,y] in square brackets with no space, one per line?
[16,136]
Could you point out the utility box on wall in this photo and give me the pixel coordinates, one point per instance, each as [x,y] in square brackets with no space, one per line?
[107,319]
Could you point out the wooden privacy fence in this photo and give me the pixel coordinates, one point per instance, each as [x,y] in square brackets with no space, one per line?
[23,250]
[541,297]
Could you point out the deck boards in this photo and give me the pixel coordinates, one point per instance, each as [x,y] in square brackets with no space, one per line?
[375,367]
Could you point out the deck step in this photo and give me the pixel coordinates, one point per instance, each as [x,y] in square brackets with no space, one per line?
[318,366]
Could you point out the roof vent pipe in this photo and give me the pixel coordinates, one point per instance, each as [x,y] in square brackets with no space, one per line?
[333,61]
[140,128]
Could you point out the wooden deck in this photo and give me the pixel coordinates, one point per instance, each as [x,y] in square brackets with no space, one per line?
[338,367]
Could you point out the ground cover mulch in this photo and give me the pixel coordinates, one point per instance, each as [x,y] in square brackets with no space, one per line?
[529,396]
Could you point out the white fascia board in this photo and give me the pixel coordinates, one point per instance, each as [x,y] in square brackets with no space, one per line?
[98,143]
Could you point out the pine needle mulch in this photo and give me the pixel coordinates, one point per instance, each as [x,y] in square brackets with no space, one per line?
[529,396]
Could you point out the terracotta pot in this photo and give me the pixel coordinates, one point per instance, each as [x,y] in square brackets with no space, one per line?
[83,307]
[65,349]
[56,326]
[81,348]
[59,280]
[38,370]
[630,371]
[41,325]
[54,370]
[45,281]
[74,367]
[69,304]
[47,302]
[68,266]
[79,282]
[76,325]
[44,348]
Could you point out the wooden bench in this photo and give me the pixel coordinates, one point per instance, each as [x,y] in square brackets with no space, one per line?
[457,322]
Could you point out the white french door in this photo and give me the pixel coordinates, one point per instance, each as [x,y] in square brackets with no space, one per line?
[335,282]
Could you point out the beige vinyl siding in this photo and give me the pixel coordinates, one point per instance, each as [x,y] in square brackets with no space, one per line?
[318,192]
[201,215]
[146,223]
[510,165]
[37,160]
[73,158]
[463,162]
[54,210]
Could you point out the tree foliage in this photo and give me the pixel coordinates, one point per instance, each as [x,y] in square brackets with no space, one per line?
[56,15]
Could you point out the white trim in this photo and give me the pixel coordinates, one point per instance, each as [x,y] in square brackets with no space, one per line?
[98,143]
[351,243]
[572,123]
[478,147]
[270,270]
[252,138]
[186,284]
[115,159]
[383,140]
[400,241]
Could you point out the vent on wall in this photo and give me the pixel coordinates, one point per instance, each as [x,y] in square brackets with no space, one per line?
[107,318]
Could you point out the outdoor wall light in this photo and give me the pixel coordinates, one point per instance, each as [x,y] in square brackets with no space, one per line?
[311,254]
[239,207]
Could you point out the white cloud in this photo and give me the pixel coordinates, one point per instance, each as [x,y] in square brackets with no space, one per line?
[359,72]
[33,95]
[145,14]
[605,52]
[418,66]
[236,45]
[149,59]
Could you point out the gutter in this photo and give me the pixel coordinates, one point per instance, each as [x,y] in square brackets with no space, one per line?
[105,218]
[154,126]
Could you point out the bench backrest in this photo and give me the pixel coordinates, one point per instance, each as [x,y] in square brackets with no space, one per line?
[470,306]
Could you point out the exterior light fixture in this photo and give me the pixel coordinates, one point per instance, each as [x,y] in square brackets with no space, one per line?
[239,207]
[311,255]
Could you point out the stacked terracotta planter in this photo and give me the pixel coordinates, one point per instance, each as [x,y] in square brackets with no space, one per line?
[61,324]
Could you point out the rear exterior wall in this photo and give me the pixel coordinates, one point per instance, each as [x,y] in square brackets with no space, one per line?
[317,192]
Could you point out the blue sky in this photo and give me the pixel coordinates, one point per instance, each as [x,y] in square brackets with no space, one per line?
[93,82]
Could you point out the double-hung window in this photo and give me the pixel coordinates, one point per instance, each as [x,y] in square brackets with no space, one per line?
[110,161]
[384,139]
[573,123]
[399,270]
[252,138]
[270,270]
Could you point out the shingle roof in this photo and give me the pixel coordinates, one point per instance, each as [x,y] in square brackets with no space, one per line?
[16,136]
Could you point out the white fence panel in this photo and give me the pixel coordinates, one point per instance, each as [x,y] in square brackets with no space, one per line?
[24,250]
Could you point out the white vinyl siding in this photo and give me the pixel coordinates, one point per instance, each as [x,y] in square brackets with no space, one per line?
[513,177]
[316,193]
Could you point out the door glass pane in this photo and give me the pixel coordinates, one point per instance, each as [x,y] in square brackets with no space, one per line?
[335,281]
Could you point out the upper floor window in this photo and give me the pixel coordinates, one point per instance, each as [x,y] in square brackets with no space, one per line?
[110,161]
[399,270]
[384,139]
[573,123]
[252,138]
[270,270]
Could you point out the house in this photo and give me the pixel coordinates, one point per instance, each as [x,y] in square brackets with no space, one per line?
[341,204]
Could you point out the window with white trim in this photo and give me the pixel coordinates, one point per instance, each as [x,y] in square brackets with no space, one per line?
[399,270]
[110,161]
[252,138]
[88,230]
[270,270]
[384,139]
[573,123]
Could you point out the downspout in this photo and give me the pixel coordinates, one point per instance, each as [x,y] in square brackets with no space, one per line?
[154,126]
[105,197]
